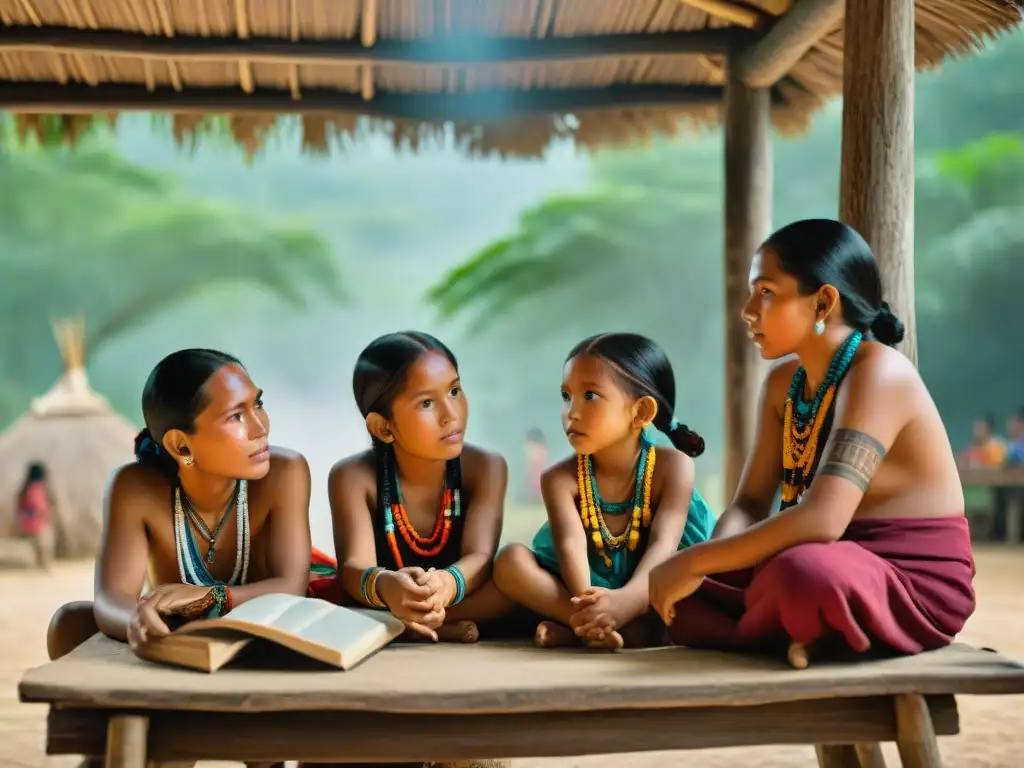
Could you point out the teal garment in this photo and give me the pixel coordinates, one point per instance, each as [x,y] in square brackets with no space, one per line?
[700,522]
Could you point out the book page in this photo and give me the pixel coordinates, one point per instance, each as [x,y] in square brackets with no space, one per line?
[279,618]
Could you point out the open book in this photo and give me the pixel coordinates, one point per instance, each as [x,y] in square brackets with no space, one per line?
[340,637]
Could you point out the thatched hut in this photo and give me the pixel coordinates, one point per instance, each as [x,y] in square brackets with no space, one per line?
[75,433]
[508,76]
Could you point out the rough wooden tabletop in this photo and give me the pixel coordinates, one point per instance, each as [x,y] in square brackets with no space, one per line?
[500,678]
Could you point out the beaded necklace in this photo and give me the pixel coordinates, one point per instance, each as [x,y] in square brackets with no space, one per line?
[803,421]
[425,546]
[191,567]
[593,508]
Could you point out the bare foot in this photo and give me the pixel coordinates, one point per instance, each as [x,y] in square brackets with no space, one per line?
[551,634]
[459,632]
[798,655]
[612,642]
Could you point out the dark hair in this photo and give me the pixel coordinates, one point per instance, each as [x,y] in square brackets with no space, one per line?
[535,435]
[821,252]
[34,473]
[380,374]
[174,394]
[643,369]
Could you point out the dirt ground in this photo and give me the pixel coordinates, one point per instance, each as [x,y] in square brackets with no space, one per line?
[992,728]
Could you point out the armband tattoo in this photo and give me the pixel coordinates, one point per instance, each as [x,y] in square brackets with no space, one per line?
[854,456]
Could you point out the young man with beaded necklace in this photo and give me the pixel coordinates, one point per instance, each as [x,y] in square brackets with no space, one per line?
[205,448]
[417,518]
[586,573]
[871,549]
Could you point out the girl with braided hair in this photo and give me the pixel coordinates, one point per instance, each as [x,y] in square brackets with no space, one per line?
[417,518]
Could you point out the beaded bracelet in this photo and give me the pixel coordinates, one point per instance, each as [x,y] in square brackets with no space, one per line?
[460,584]
[368,587]
[221,601]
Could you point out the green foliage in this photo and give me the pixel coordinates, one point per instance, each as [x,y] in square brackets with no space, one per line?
[85,232]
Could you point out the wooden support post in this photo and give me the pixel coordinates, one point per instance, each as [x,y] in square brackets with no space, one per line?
[748,200]
[915,733]
[877,179]
[126,741]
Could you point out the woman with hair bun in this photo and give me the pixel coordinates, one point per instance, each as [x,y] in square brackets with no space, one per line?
[210,515]
[870,549]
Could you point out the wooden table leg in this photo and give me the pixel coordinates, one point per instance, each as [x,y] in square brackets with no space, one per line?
[915,734]
[126,741]
[870,755]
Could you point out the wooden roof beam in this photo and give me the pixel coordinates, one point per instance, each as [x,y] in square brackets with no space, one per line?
[477,107]
[454,51]
[766,62]
[735,13]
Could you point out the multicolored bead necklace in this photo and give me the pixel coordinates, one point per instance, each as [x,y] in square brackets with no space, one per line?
[425,546]
[593,509]
[191,567]
[803,421]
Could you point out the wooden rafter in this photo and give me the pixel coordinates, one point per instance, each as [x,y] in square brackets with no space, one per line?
[767,61]
[476,107]
[726,10]
[453,51]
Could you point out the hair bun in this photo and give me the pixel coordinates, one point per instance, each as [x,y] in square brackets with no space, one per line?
[149,452]
[145,446]
[886,327]
[685,439]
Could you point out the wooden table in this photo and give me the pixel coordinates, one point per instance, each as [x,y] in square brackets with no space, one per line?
[995,479]
[448,702]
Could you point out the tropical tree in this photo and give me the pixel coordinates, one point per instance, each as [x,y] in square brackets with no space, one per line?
[969,273]
[85,232]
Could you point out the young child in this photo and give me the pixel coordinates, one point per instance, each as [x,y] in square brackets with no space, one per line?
[417,518]
[615,509]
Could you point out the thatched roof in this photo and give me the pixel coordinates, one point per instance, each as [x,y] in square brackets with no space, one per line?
[73,431]
[503,73]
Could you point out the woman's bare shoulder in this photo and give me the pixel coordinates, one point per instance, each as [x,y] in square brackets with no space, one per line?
[360,468]
[135,482]
[287,468]
[138,491]
[879,369]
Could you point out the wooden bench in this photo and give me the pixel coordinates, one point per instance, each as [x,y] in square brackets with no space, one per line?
[449,702]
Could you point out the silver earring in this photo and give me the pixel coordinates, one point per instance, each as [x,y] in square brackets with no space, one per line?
[819,327]
[189,460]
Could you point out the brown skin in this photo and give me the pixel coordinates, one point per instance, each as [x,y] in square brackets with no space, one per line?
[603,420]
[882,398]
[426,427]
[137,545]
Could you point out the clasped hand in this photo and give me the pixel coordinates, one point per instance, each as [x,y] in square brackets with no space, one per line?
[417,597]
[597,612]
